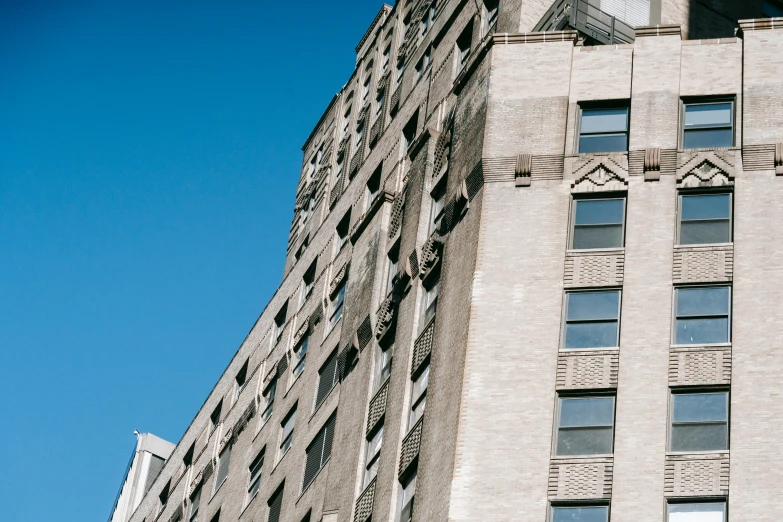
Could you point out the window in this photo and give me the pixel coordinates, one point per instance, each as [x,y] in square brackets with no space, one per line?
[327,378]
[386,57]
[463,49]
[585,425]
[308,279]
[380,98]
[699,422]
[702,315]
[163,496]
[422,64]
[255,469]
[341,232]
[490,16]
[338,171]
[275,503]
[705,218]
[187,460]
[224,460]
[346,122]
[771,9]
[438,196]
[698,512]
[306,518]
[269,400]
[394,257]
[336,306]
[280,322]
[301,250]
[598,223]
[405,505]
[195,500]
[315,164]
[214,419]
[215,517]
[708,125]
[300,350]
[429,304]
[409,131]
[319,451]
[426,22]
[373,456]
[400,71]
[383,364]
[603,130]
[373,187]
[367,81]
[419,396]
[359,133]
[240,380]
[592,320]
[287,436]
[580,513]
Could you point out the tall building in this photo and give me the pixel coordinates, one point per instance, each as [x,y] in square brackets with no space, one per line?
[556,226]
[149,456]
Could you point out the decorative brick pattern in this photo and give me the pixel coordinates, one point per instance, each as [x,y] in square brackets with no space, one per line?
[430,255]
[594,269]
[337,190]
[758,157]
[600,173]
[395,99]
[588,369]
[700,366]
[339,277]
[706,168]
[423,346]
[580,479]
[377,407]
[248,414]
[667,162]
[702,264]
[410,447]
[384,318]
[395,218]
[365,502]
[364,333]
[696,475]
[542,167]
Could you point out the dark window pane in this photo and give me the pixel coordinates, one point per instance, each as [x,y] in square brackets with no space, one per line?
[580,514]
[593,305]
[706,206]
[707,138]
[590,411]
[708,114]
[708,231]
[699,437]
[604,143]
[599,211]
[591,335]
[702,331]
[702,301]
[584,441]
[696,407]
[604,120]
[597,236]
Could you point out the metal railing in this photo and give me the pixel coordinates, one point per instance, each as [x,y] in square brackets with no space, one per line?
[588,19]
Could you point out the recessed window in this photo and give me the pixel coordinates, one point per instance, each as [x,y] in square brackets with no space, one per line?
[592,320]
[287,426]
[341,233]
[708,125]
[373,187]
[383,365]
[319,451]
[399,73]
[386,56]
[419,396]
[187,460]
[224,461]
[269,399]
[697,512]
[598,223]
[280,322]
[699,422]
[438,205]
[336,305]
[359,133]
[255,468]
[585,426]
[327,378]
[489,16]
[391,273]
[300,352]
[373,456]
[195,501]
[580,513]
[705,218]
[463,49]
[240,380]
[367,80]
[702,315]
[380,99]
[410,129]
[214,419]
[406,497]
[275,504]
[163,496]
[429,304]
[422,64]
[603,130]
[308,279]
[346,122]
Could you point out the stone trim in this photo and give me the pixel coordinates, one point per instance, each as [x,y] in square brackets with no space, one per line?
[377,407]
[535,37]
[365,502]
[700,366]
[431,255]
[643,162]
[339,277]
[411,445]
[587,369]
[504,169]
[301,332]
[759,24]
[696,475]
[703,264]
[594,268]
[715,168]
[658,30]
[600,174]
[395,217]
[385,316]
[580,478]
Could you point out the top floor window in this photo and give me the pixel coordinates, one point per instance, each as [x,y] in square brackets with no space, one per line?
[240,380]
[705,218]
[598,223]
[697,512]
[489,16]
[580,513]
[463,49]
[385,58]
[708,125]
[280,322]
[426,22]
[603,130]
[367,81]
[346,122]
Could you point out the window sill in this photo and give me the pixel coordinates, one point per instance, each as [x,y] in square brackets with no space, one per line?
[261,428]
[583,457]
[319,406]
[588,251]
[293,383]
[214,493]
[599,349]
[249,503]
[705,245]
[277,464]
[716,453]
[708,149]
[701,345]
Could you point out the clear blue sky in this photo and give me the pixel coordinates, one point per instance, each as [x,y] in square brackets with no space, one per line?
[149,154]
